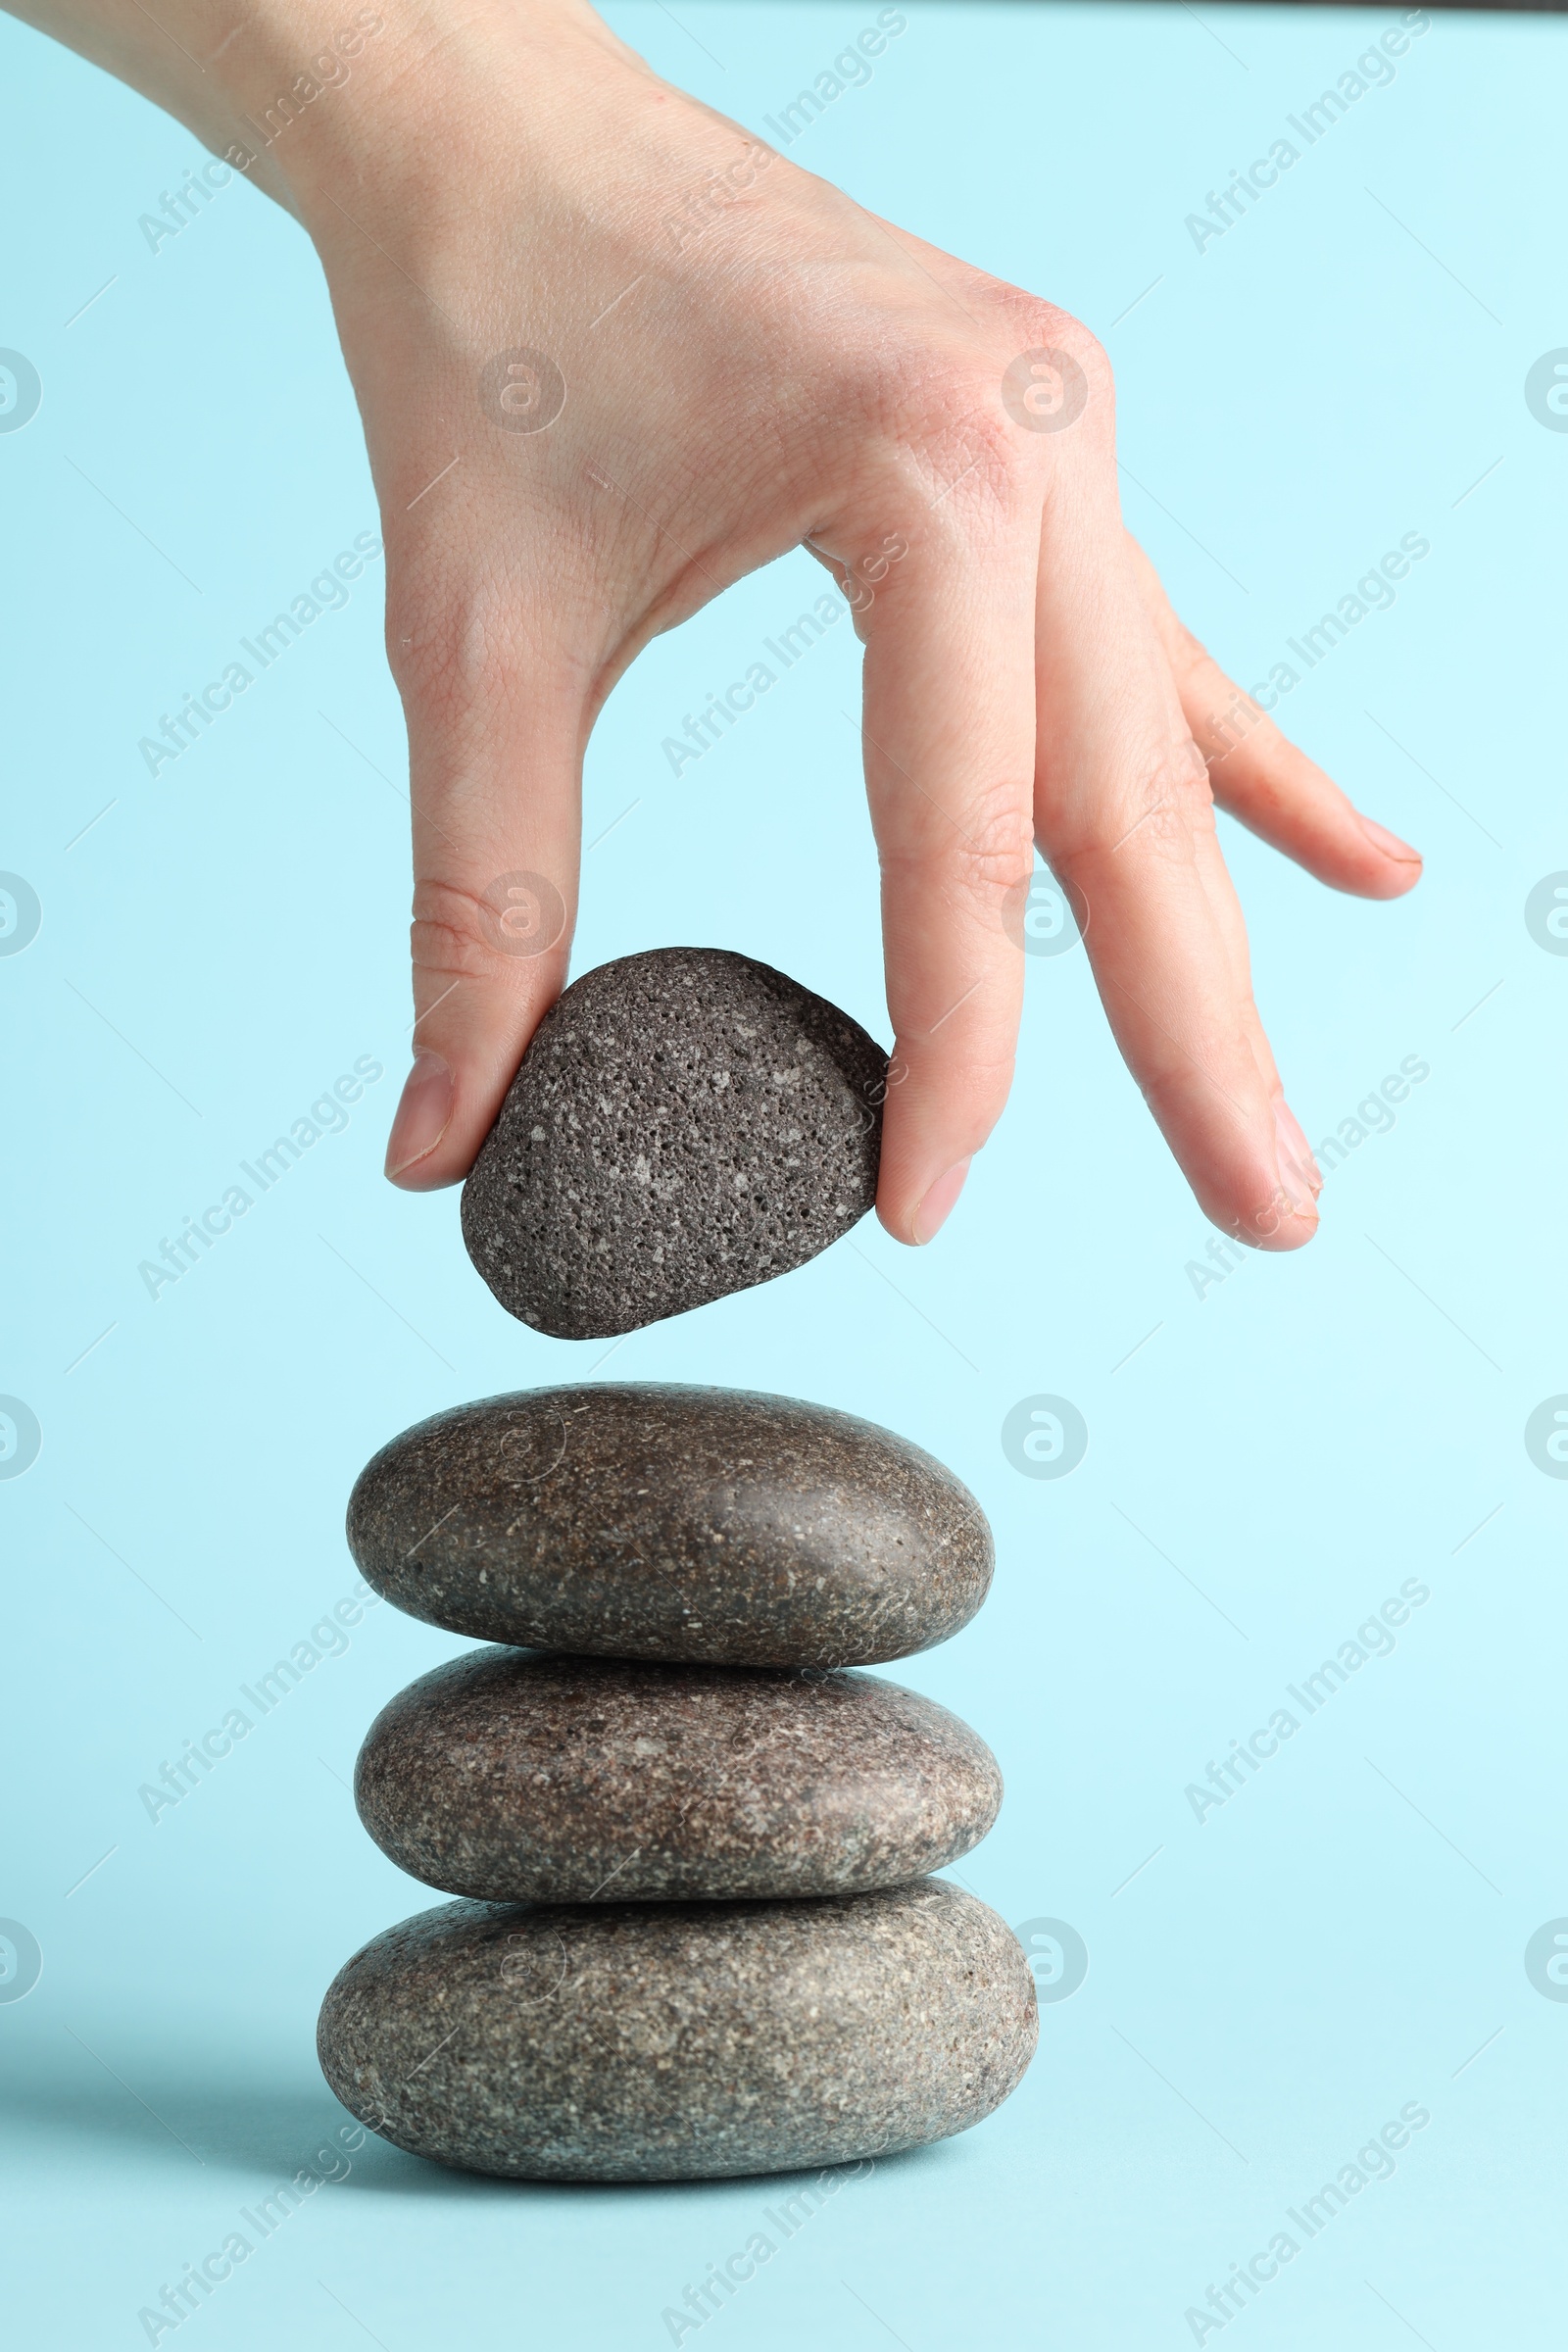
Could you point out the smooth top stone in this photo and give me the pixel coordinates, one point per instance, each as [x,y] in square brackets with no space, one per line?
[641,1521]
[675,2041]
[522,1778]
[684,1124]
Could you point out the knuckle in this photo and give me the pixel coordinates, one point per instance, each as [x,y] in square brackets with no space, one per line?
[997,467]
[1057,377]
[1035,319]
[453,935]
[980,868]
[1081,344]
[1184,775]
[967,1050]
[1158,808]
[996,851]
[941,423]
[946,408]
[974,876]
[1162,827]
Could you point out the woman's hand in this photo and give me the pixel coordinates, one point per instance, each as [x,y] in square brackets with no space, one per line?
[612,354]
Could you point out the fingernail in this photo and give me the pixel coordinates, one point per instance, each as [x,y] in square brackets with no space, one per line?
[1389,843]
[1295,1150]
[1295,1191]
[937,1205]
[423,1116]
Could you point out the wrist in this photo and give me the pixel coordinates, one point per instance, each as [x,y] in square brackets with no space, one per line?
[285,82]
[350,105]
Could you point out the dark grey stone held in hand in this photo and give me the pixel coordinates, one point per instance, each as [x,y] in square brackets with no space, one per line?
[638,1520]
[518,1775]
[685,1123]
[678,2041]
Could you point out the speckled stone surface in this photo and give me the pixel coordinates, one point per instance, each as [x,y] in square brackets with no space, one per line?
[526,1778]
[681,2042]
[638,1520]
[684,1123]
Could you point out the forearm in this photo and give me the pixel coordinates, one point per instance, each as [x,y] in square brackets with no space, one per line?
[306,96]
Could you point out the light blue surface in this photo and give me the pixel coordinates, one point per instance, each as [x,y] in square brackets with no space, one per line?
[1266,1462]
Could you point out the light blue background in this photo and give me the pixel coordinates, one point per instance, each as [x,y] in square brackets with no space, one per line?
[1276,1457]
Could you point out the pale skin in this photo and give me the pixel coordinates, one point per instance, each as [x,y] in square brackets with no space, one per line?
[790,370]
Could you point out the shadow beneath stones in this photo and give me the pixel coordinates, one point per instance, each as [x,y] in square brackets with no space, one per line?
[262,2133]
[141,2114]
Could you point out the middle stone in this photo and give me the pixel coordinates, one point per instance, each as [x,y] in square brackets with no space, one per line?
[515,1776]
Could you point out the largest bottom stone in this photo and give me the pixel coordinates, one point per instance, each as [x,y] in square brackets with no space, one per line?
[668,2041]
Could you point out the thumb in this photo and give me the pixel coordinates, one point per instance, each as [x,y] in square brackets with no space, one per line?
[494,777]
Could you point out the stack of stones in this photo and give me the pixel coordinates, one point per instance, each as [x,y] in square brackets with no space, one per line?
[697,1931]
